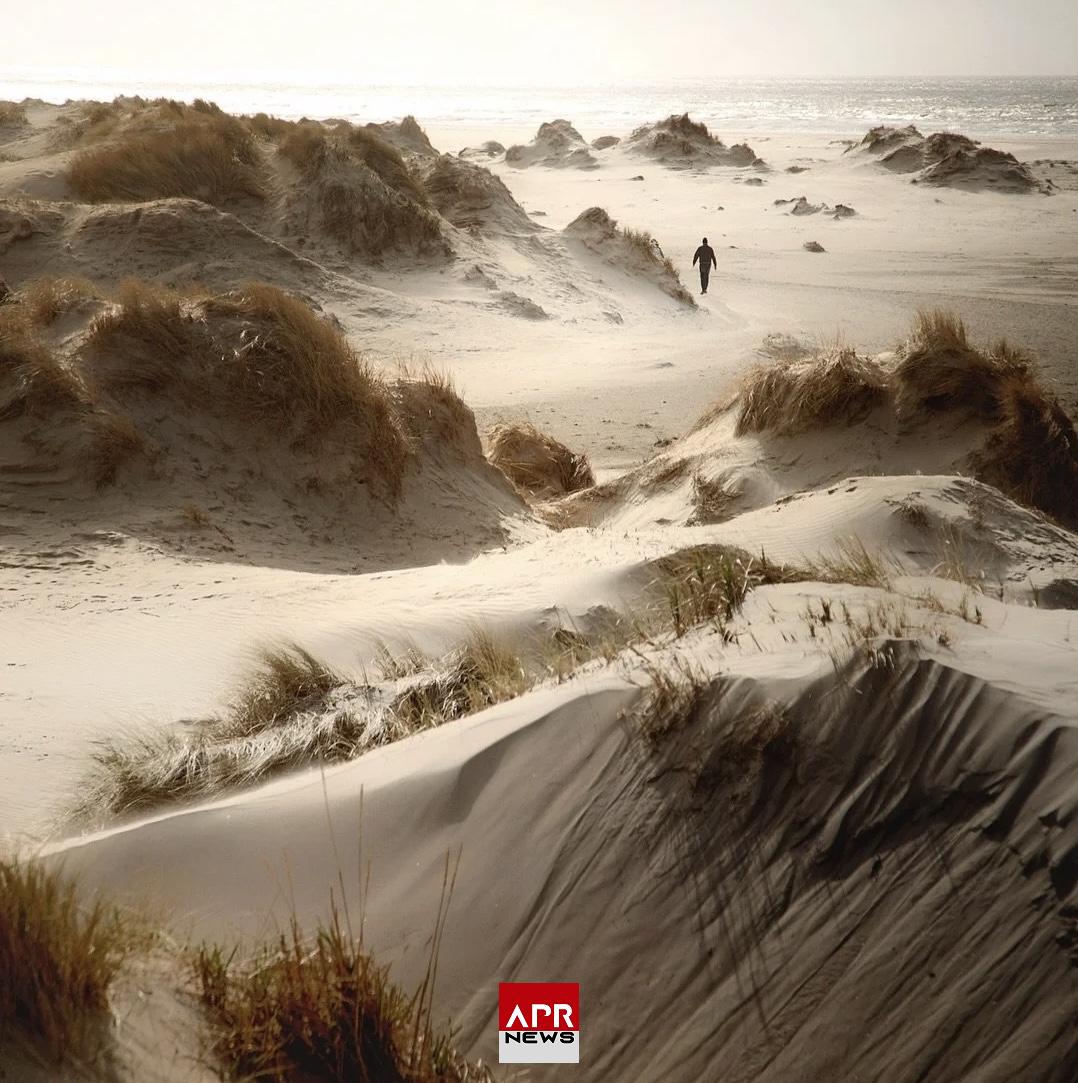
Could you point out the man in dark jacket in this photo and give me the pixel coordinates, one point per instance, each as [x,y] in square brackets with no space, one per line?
[705,256]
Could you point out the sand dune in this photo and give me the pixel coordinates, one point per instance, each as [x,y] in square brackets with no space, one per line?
[681,142]
[557,144]
[761,727]
[947,159]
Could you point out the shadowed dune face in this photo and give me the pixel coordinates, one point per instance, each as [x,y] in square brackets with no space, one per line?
[154,390]
[940,405]
[636,250]
[680,141]
[947,159]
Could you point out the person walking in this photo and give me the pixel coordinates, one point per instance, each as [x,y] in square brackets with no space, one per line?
[705,256]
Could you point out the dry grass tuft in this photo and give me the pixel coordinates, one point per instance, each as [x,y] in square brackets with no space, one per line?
[12,115]
[280,720]
[536,462]
[940,370]
[200,154]
[148,339]
[708,584]
[286,680]
[45,300]
[1032,455]
[322,1009]
[481,673]
[852,563]
[684,125]
[712,501]
[786,399]
[57,961]
[643,243]
[115,441]
[296,364]
[33,380]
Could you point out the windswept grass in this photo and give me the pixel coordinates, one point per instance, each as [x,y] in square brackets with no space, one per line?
[57,961]
[320,1008]
[115,440]
[836,388]
[941,370]
[287,680]
[708,584]
[536,462]
[33,379]
[45,300]
[479,674]
[148,339]
[12,115]
[712,500]
[201,155]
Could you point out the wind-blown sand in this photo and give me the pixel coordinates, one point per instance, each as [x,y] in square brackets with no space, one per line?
[882,889]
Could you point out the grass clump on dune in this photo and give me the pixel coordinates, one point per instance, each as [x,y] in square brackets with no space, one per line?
[941,370]
[57,962]
[198,155]
[279,720]
[147,339]
[12,115]
[45,300]
[835,388]
[536,462]
[33,379]
[479,674]
[1031,452]
[322,1009]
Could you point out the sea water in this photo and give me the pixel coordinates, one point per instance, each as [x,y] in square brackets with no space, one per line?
[1034,107]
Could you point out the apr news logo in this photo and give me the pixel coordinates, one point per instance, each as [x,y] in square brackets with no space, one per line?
[539,1023]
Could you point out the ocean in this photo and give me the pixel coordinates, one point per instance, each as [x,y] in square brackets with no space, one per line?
[1033,107]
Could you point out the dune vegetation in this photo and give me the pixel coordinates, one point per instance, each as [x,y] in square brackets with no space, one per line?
[292,711]
[536,462]
[187,151]
[1030,451]
[320,1008]
[58,959]
[12,115]
[264,353]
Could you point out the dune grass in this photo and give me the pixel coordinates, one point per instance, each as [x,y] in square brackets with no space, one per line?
[279,720]
[536,462]
[46,299]
[838,387]
[33,379]
[286,680]
[683,124]
[320,1008]
[258,351]
[57,961]
[941,370]
[1031,452]
[480,673]
[712,501]
[200,154]
[12,115]
[309,145]
[115,440]
[148,339]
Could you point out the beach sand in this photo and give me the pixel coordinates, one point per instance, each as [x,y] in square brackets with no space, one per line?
[892,900]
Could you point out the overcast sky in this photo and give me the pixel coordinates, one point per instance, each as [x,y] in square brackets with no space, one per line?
[560,42]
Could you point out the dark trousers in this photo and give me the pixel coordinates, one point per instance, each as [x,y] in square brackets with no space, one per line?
[705,274]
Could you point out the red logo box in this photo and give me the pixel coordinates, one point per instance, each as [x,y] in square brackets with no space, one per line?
[539,1022]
